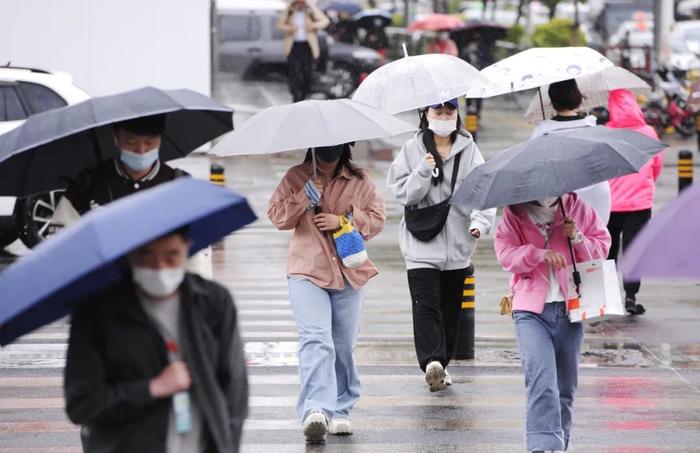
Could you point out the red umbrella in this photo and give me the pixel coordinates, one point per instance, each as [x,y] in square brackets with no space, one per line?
[436,22]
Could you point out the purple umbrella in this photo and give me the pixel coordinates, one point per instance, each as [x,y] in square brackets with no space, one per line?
[667,247]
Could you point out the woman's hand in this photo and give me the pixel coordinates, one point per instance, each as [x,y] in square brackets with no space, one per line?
[430,160]
[327,222]
[554,259]
[570,229]
[475,233]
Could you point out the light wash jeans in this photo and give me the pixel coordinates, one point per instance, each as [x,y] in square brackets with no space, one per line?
[549,346]
[329,323]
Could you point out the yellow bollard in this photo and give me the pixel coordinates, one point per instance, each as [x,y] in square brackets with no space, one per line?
[685,169]
[216,175]
[464,349]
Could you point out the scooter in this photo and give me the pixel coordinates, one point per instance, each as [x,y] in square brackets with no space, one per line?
[669,110]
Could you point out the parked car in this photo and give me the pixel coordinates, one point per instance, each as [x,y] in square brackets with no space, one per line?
[249,44]
[24,92]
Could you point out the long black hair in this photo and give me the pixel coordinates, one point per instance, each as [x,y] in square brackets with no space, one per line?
[345,161]
[429,142]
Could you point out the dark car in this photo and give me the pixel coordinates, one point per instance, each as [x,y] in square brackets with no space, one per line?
[250,44]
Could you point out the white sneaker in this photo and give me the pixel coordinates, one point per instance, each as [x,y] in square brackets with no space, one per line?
[315,427]
[435,376]
[448,378]
[340,426]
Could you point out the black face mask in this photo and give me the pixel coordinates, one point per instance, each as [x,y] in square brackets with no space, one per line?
[329,154]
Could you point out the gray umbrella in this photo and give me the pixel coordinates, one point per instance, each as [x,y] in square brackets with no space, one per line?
[555,164]
[50,148]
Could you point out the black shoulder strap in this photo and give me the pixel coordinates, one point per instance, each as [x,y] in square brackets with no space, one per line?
[455,171]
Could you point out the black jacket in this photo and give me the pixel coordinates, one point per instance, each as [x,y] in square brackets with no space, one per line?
[105,183]
[115,350]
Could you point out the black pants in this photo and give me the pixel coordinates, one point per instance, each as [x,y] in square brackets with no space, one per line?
[436,299]
[627,224]
[300,63]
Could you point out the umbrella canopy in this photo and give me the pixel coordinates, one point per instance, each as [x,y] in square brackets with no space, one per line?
[555,164]
[343,7]
[436,22]
[595,89]
[372,18]
[486,31]
[90,255]
[309,124]
[416,82]
[666,247]
[50,148]
[533,68]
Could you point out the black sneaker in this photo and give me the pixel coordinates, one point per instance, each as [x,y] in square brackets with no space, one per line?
[633,308]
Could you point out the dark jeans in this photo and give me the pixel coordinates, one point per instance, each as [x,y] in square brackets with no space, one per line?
[627,224]
[300,64]
[436,299]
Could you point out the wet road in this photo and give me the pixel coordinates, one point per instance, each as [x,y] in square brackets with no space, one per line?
[640,378]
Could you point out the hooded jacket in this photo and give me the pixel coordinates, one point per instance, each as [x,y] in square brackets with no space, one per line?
[633,192]
[520,249]
[410,180]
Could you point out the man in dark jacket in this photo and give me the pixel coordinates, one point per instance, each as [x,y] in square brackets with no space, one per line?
[137,167]
[141,344]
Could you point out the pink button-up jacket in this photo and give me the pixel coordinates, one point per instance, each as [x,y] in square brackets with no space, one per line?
[312,252]
[520,249]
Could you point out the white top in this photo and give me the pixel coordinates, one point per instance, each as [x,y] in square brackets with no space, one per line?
[165,315]
[597,195]
[299,20]
[543,218]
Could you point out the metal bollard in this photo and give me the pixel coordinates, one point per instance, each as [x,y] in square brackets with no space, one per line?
[471,123]
[216,175]
[464,344]
[685,169]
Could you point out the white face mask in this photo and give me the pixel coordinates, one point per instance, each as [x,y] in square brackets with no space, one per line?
[548,202]
[442,128]
[136,161]
[158,282]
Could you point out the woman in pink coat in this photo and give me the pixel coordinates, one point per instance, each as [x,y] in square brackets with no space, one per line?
[632,196]
[531,241]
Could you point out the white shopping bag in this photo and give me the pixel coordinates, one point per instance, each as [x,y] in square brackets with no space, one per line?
[600,291]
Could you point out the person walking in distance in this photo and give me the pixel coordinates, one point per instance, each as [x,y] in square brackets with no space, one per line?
[301,22]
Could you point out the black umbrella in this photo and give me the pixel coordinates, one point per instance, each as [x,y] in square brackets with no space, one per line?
[50,148]
[488,32]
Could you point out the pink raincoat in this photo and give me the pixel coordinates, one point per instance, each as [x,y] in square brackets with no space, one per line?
[520,249]
[634,192]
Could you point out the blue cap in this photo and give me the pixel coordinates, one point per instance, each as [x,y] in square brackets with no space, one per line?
[453,102]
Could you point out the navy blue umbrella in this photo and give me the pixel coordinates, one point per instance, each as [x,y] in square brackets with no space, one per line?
[90,255]
[372,18]
[343,7]
[51,147]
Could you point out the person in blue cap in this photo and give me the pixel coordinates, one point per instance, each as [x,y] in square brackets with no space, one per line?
[437,241]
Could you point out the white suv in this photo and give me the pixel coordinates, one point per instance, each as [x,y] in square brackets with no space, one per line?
[24,92]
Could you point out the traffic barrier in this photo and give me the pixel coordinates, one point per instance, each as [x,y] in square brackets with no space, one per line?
[464,347]
[685,169]
[216,175]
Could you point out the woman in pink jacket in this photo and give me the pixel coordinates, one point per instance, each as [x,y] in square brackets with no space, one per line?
[632,196]
[531,241]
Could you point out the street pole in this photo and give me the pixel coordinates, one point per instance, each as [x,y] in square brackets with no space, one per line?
[663,23]
[213,63]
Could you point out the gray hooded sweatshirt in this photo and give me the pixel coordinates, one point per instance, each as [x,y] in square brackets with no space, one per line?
[410,179]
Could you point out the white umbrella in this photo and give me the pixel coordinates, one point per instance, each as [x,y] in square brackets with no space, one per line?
[419,81]
[540,66]
[595,89]
[309,124]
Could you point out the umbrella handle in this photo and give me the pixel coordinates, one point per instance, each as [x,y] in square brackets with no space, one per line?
[576,274]
[405,49]
[539,91]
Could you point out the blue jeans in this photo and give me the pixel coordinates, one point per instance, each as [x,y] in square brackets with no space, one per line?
[329,323]
[549,346]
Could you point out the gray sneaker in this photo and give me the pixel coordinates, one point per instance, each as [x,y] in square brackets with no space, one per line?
[315,427]
[435,376]
[448,378]
[340,426]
